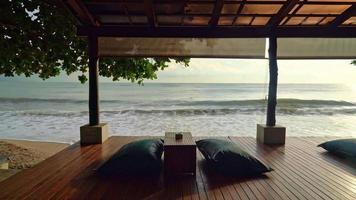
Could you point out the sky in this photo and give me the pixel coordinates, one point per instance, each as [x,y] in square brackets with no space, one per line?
[245,71]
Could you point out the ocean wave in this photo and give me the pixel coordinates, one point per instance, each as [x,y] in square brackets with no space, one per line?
[38,100]
[188,112]
[228,111]
[283,102]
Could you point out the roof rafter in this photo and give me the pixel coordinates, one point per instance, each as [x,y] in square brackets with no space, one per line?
[239,10]
[282,13]
[216,13]
[294,11]
[351,11]
[218,18]
[82,13]
[150,13]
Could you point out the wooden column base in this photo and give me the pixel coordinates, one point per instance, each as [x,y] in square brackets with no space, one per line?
[271,135]
[94,134]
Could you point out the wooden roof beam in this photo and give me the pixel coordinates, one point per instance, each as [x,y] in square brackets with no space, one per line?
[282,13]
[150,13]
[102,2]
[216,13]
[351,11]
[239,10]
[217,32]
[81,11]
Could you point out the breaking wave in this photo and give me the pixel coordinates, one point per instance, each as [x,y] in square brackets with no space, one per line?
[252,102]
[285,107]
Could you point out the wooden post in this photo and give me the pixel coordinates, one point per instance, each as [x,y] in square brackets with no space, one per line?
[272,134]
[93,81]
[273,81]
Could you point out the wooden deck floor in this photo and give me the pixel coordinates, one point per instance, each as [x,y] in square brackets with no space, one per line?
[301,171]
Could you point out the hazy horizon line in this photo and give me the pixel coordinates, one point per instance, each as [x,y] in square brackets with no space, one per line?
[150,82]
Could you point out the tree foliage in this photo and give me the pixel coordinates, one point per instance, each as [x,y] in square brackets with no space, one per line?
[39,37]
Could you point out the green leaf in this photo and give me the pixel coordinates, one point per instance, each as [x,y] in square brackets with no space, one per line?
[46,44]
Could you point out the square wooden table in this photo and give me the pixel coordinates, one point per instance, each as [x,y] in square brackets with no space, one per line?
[179,155]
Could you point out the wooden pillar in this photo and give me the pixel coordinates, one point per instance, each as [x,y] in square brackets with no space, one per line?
[272,134]
[93,81]
[94,132]
[273,81]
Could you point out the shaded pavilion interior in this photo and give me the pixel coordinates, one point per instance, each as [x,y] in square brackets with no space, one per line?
[111,17]
[321,29]
[301,170]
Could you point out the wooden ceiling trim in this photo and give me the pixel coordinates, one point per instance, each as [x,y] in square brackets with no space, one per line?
[226,2]
[237,15]
[219,31]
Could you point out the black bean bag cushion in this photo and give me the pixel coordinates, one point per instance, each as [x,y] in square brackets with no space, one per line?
[342,147]
[229,159]
[138,157]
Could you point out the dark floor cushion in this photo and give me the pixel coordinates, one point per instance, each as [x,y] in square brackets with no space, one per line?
[138,157]
[228,158]
[342,147]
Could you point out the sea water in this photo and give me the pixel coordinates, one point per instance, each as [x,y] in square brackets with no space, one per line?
[55,111]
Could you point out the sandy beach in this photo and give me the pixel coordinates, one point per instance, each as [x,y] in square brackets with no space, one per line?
[23,154]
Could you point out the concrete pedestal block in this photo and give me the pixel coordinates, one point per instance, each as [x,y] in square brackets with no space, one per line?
[271,135]
[94,134]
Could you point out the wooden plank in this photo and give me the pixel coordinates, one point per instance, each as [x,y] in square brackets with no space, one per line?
[308,177]
[282,13]
[331,164]
[314,178]
[326,177]
[213,192]
[298,183]
[85,180]
[108,13]
[21,183]
[351,11]
[204,2]
[203,190]
[81,12]
[325,187]
[150,13]
[216,13]
[294,12]
[300,172]
[279,175]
